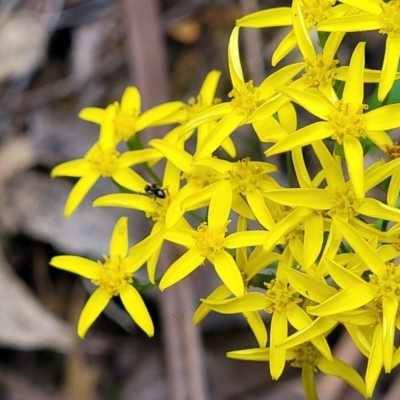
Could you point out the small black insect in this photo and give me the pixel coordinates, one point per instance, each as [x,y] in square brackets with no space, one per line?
[155,190]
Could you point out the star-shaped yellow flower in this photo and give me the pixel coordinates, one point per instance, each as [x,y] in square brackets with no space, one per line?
[113,276]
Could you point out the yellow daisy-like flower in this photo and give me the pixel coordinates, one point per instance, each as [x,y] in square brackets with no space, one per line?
[103,160]
[376,14]
[344,121]
[249,266]
[207,243]
[246,99]
[113,276]
[314,12]
[128,119]
[307,357]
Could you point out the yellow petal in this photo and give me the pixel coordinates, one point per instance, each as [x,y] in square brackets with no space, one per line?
[136,308]
[77,265]
[355,165]
[354,87]
[131,101]
[129,179]
[390,63]
[220,204]
[92,114]
[182,267]
[95,305]
[79,191]
[390,308]
[75,168]
[351,298]
[375,361]
[229,273]
[119,238]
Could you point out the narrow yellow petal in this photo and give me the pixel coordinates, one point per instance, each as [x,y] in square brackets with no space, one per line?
[382,117]
[78,265]
[107,129]
[390,308]
[249,302]
[308,381]
[314,104]
[390,63]
[318,199]
[136,308]
[92,114]
[348,299]
[221,131]
[124,200]
[256,354]
[302,137]
[131,102]
[162,114]
[235,66]
[279,327]
[209,86]
[257,204]
[313,238]
[182,267]
[354,87]
[179,157]
[229,273]
[74,168]
[376,209]
[360,246]
[79,191]
[95,305]
[129,179]
[257,325]
[279,16]
[220,204]
[119,239]
[355,165]
[300,30]
[375,361]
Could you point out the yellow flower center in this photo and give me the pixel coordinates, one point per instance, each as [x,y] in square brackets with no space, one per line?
[320,71]
[393,151]
[104,161]
[390,17]
[306,356]
[210,239]
[345,202]
[158,209]
[246,177]
[246,99]
[202,176]
[280,297]
[347,120]
[112,276]
[316,11]
[124,124]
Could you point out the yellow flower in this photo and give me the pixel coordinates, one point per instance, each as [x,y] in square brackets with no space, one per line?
[344,121]
[113,276]
[207,243]
[380,296]
[165,213]
[307,357]
[128,119]
[102,160]
[246,99]
[314,12]
[376,14]
[249,267]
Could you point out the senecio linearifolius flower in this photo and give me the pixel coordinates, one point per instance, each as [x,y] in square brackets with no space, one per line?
[319,253]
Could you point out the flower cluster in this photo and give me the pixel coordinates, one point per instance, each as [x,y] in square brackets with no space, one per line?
[311,257]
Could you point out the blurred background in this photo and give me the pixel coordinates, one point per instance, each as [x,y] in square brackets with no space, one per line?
[56,57]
